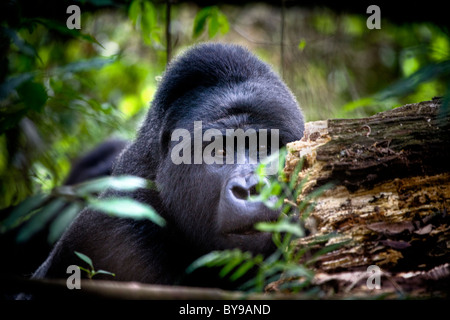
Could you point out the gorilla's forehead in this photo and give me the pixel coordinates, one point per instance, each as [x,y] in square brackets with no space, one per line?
[246,104]
[222,123]
[232,121]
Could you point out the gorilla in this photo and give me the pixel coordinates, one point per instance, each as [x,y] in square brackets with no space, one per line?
[96,163]
[206,206]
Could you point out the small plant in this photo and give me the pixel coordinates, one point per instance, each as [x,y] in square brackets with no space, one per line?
[285,263]
[91,272]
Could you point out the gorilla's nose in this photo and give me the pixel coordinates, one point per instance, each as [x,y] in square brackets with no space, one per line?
[243,187]
[238,213]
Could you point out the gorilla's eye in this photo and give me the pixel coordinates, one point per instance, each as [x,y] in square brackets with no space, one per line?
[264,150]
[220,153]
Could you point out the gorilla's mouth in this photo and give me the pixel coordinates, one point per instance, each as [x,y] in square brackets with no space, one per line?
[249,230]
[246,231]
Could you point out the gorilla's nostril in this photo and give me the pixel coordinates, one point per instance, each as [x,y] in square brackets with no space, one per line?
[253,191]
[240,192]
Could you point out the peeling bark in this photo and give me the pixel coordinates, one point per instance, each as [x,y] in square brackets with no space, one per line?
[391,194]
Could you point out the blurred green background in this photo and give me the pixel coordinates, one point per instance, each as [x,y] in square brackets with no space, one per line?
[64,91]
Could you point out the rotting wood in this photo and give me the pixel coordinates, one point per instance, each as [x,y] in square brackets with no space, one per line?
[391,194]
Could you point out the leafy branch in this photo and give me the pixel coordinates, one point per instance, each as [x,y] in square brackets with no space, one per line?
[60,206]
[91,272]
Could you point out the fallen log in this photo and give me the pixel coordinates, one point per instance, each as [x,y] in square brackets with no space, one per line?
[390,196]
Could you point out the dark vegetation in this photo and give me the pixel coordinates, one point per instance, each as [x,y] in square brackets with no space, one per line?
[64,92]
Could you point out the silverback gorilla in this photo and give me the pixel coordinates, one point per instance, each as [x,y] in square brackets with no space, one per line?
[205,206]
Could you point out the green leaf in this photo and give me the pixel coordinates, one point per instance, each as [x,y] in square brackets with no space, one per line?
[39,220]
[242,270]
[294,175]
[234,262]
[127,208]
[84,65]
[62,221]
[33,95]
[21,44]
[62,28]
[148,18]
[213,26]
[89,272]
[102,3]
[363,102]
[302,44]
[276,157]
[200,21]
[20,213]
[407,85]
[313,195]
[404,86]
[14,82]
[218,258]
[283,225]
[440,47]
[134,11]
[298,190]
[297,270]
[272,189]
[119,183]
[105,272]
[205,260]
[85,258]
[224,26]
[327,249]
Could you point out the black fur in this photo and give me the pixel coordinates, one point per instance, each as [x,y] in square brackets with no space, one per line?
[96,163]
[225,86]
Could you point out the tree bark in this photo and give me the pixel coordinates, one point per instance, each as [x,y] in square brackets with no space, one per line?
[390,198]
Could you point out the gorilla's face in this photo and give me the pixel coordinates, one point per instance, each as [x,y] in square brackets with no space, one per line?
[210,202]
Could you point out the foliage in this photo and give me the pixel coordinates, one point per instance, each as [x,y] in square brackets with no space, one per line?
[59,207]
[409,84]
[216,20]
[425,71]
[144,16]
[64,91]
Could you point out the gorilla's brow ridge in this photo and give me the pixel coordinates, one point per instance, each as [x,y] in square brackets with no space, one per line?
[230,121]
